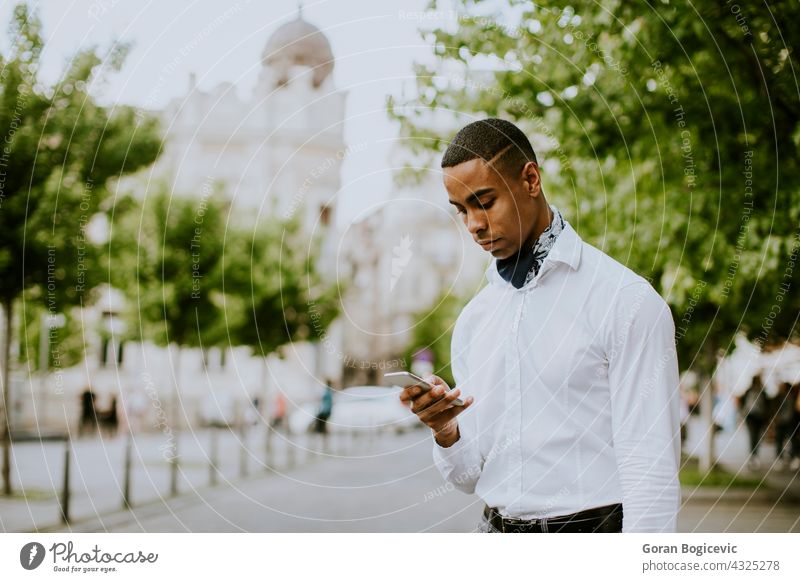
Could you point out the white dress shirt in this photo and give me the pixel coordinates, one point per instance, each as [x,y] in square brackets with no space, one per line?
[575,380]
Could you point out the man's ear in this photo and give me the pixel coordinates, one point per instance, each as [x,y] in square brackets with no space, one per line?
[530,173]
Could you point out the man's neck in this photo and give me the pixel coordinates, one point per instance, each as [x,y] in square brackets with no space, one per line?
[537,232]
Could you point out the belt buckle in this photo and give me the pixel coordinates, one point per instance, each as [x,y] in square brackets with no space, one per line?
[509,524]
[522,525]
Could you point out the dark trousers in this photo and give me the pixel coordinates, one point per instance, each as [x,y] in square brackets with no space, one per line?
[756,427]
[321,424]
[788,433]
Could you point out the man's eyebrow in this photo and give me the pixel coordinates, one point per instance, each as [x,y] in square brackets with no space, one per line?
[478,193]
[475,195]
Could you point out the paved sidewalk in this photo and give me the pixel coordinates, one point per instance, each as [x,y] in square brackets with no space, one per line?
[396,488]
[732,451]
[773,507]
[387,485]
[97,469]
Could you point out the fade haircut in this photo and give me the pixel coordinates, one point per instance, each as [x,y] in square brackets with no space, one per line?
[495,141]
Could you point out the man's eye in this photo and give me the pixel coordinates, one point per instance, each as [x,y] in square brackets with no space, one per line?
[487,205]
[460,211]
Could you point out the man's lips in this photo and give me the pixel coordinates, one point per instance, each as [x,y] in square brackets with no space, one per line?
[488,243]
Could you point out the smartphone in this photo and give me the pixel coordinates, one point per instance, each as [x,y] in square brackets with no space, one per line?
[409,379]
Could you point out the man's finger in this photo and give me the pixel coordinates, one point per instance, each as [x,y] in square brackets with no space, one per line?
[423,401]
[441,404]
[449,414]
[409,392]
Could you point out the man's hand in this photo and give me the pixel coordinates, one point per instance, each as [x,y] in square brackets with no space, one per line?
[436,409]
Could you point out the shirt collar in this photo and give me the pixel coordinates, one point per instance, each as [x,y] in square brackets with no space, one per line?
[566,250]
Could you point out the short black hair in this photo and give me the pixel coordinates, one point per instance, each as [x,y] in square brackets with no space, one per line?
[488,138]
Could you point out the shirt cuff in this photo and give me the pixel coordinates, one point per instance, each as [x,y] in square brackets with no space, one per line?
[459,464]
[451,453]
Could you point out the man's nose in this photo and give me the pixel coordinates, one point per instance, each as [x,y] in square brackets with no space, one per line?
[476,222]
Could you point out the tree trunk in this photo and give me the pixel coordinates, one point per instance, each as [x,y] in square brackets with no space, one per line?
[173,481]
[708,454]
[267,410]
[5,410]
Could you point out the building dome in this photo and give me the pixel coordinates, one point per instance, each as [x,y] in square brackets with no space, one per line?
[298,43]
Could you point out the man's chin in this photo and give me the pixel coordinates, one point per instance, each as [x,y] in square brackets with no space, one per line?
[500,253]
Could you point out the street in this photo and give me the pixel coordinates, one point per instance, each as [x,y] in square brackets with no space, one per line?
[379,487]
[386,484]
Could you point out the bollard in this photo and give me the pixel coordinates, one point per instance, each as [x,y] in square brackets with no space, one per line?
[317,445]
[65,490]
[126,490]
[173,476]
[290,453]
[339,445]
[309,447]
[212,461]
[243,449]
[268,450]
[326,443]
[63,498]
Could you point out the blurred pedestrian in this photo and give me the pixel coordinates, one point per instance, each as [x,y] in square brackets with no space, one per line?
[109,419]
[755,414]
[688,399]
[784,425]
[685,417]
[794,465]
[792,428]
[279,415]
[325,410]
[253,412]
[724,413]
[88,412]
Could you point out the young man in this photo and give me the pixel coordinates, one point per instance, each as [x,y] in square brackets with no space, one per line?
[566,361]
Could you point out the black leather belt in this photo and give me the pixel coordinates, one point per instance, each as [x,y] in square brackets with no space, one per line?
[606,519]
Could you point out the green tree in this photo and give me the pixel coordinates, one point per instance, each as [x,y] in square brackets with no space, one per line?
[275,291]
[59,148]
[434,330]
[165,253]
[675,129]
[66,346]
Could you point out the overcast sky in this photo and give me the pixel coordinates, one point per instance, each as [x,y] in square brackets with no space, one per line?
[375,44]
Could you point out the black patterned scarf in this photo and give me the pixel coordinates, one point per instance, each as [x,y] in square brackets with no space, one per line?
[523,266]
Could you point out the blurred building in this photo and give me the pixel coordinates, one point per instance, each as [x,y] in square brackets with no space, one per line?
[283,146]
[279,152]
[400,259]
